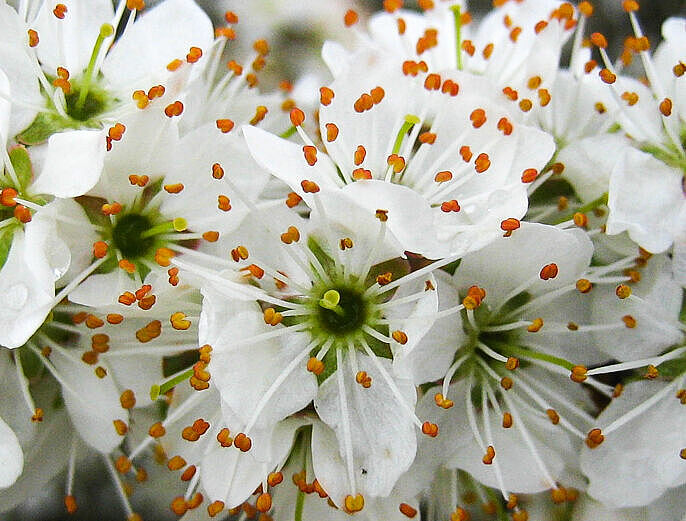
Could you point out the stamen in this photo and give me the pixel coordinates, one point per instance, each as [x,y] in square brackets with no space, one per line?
[643,407]
[119,486]
[24,384]
[345,421]
[625,366]
[391,384]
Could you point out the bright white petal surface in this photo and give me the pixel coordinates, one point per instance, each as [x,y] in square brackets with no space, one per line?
[646,198]
[16,64]
[26,294]
[383,436]
[92,402]
[11,456]
[162,34]
[69,42]
[640,460]
[197,152]
[430,346]
[73,164]
[515,262]
[656,314]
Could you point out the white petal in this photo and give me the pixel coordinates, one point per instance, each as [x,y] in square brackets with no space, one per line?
[382,433]
[430,346]
[162,34]
[92,402]
[410,217]
[589,163]
[645,199]
[26,293]
[656,316]
[69,42]
[640,460]
[73,164]
[11,456]
[510,262]
[286,160]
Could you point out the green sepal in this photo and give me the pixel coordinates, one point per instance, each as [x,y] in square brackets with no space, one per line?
[6,236]
[21,162]
[45,125]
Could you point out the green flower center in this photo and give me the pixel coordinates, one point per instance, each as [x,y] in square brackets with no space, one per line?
[94,103]
[341,315]
[130,238]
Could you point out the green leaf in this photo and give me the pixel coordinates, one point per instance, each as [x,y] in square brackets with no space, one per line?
[6,236]
[19,157]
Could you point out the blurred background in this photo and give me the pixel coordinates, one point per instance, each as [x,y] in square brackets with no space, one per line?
[295,30]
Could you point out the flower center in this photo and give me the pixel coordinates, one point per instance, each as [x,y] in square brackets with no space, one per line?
[129,235]
[84,107]
[341,311]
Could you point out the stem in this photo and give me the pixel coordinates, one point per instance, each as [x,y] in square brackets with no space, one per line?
[299,506]
[106,30]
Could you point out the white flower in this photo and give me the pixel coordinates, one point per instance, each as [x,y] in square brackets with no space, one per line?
[507,411]
[313,325]
[447,160]
[646,193]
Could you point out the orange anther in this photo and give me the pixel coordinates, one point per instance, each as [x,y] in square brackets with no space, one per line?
[217,171]
[514,33]
[309,187]
[399,336]
[215,508]
[361,173]
[157,430]
[466,153]
[121,427]
[630,5]
[297,117]
[315,366]
[553,416]
[450,206]
[512,363]
[430,429]
[392,5]
[529,175]
[260,113]
[194,54]
[7,197]
[377,94]
[549,271]
[525,105]
[176,463]
[599,40]
[293,200]
[363,379]
[427,138]
[211,236]
[510,224]
[478,117]
[174,188]
[354,504]
[623,291]
[331,132]
[594,438]
[578,373]
[536,325]
[272,317]
[488,50]
[350,18]
[384,278]
[607,76]
[310,153]
[127,399]
[468,47]
[507,420]
[231,17]
[70,504]
[242,442]
[325,95]
[223,203]
[666,107]
[174,65]
[482,163]
[274,479]
[22,214]
[60,11]
[506,383]
[432,82]
[505,126]
[489,456]
[407,510]
[442,177]
[360,154]
[224,438]
[135,4]
[174,109]
[225,125]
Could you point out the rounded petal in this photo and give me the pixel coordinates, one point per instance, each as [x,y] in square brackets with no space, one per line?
[645,199]
[639,461]
[92,402]
[73,164]
[162,34]
[11,456]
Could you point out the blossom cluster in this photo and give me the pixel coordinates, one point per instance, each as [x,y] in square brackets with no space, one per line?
[444,282]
